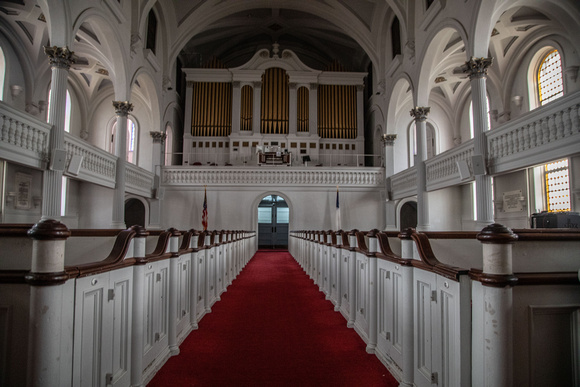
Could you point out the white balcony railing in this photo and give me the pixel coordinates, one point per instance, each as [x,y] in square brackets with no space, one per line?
[138,181]
[98,166]
[404,183]
[286,176]
[442,169]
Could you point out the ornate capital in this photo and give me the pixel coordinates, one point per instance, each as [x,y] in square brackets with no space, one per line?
[292,85]
[122,108]
[158,137]
[360,87]
[236,84]
[477,67]
[388,139]
[189,84]
[257,85]
[420,113]
[60,57]
[313,86]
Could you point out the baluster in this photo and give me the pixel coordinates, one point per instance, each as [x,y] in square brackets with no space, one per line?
[574,118]
[18,134]
[560,124]
[26,138]
[539,134]
[566,122]
[545,130]
[531,136]
[526,137]
[11,131]
[552,127]
[4,132]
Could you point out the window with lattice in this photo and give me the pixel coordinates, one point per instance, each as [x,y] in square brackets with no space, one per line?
[550,81]
[557,186]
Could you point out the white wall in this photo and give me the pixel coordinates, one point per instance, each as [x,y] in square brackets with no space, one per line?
[236,208]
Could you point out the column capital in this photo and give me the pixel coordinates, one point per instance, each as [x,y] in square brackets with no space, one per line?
[292,85]
[477,67]
[60,57]
[257,84]
[313,86]
[122,108]
[360,87]
[236,84]
[189,83]
[158,137]
[388,139]
[420,113]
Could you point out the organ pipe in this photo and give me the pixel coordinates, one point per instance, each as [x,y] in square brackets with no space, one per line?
[337,111]
[247,108]
[275,102]
[302,110]
[212,109]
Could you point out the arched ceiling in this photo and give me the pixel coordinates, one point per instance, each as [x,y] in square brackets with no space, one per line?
[235,38]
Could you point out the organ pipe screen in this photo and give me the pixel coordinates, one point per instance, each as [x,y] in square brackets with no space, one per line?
[247,108]
[275,102]
[302,109]
[212,109]
[337,111]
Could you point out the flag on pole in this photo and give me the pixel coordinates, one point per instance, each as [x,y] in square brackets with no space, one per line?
[338,225]
[204,213]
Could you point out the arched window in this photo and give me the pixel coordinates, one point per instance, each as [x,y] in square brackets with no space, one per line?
[550,81]
[67,111]
[2,74]
[131,140]
[151,31]
[168,145]
[396,37]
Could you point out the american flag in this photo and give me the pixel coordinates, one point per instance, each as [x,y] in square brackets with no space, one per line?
[204,213]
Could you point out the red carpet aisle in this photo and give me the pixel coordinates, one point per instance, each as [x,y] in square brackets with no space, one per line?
[273,328]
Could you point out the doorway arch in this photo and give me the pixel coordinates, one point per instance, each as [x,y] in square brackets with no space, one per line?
[273,222]
[408,215]
[135,212]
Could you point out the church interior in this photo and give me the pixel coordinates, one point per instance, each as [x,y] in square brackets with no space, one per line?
[440,138]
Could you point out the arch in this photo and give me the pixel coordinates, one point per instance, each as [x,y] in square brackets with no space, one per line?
[136,211]
[407,201]
[438,59]
[198,20]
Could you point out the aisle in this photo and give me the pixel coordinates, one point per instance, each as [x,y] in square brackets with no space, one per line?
[273,328]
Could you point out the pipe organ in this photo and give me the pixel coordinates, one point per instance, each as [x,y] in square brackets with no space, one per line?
[273,100]
[211,109]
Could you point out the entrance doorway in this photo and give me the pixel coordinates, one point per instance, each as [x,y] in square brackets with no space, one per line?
[273,220]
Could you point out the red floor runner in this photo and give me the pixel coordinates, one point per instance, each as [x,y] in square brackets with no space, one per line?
[273,328]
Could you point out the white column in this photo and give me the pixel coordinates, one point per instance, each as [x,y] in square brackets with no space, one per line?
[187,138]
[138,319]
[408,377]
[494,301]
[420,115]
[293,110]
[477,70]
[60,59]
[360,113]
[46,329]
[373,296]
[236,106]
[122,109]
[256,118]
[313,109]
[390,206]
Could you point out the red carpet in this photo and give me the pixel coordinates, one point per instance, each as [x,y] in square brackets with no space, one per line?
[273,328]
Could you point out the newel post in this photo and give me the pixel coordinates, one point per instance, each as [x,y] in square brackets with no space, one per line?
[352,279]
[338,251]
[138,320]
[193,244]
[47,329]
[492,309]
[373,296]
[173,290]
[408,316]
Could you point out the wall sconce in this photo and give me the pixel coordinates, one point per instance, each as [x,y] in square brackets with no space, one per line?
[36,200]
[15,90]
[517,100]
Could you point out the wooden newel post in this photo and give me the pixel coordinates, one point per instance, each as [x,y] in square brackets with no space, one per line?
[47,341]
[492,309]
